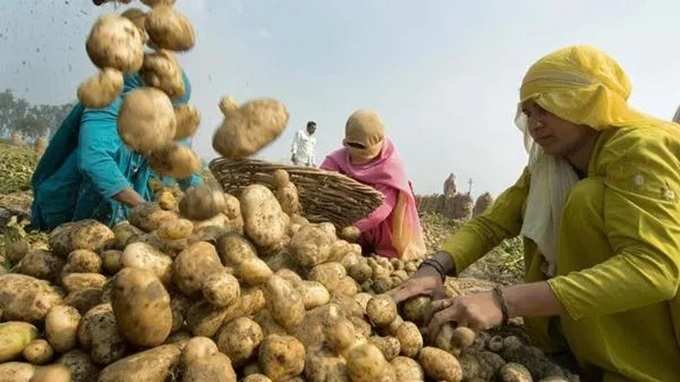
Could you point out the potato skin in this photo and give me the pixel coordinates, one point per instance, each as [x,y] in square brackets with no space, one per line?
[99,334]
[15,336]
[38,352]
[52,373]
[146,122]
[79,364]
[366,363]
[101,89]
[216,367]
[194,265]
[17,371]
[281,357]
[410,339]
[239,339]
[41,265]
[440,365]
[407,369]
[169,29]
[264,220]
[221,289]
[142,307]
[381,310]
[144,256]
[285,302]
[61,327]
[25,298]
[197,348]
[115,42]
[154,365]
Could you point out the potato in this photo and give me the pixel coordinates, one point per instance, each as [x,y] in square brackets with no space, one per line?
[16,372]
[197,348]
[175,160]
[252,301]
[514,372]
[101,89]
[313,294]
[180,339]
[125,233]
[322,365]
[79,364]
[264,221]
[495,344]
[149,216]
[137,16]
[166,200]
[115,42]
[188,118]
[350,233]
[407,369]
[78,281]
[24,298]
[281,357]
[348,306]
[248,128]
[340,334]
[85,234]
[270,326]
[193,265]
[179,304]
[15,336]
[61,327]
[381,310]
[290,276]
[38,352]
[256,378]
[285,302]
[52,373]
[146,122]
[392,327]
[311,246]
[111,261]
[362,326]
[99,334]
[346,286]
[169,29]
[85,299]
[239,339]
[216,367]
[416,309]
[253,271]
[360,272]
[40,264]
[328,274]
[462,338]
[288,198]
[389,346]
[83,261]
[154,365]
[205,319]
[410,339]
[362,299]
[161,70]
[221,289]
[16,250]
[366,362]
[440,365]
[144,256]
[142,307]
[202,202]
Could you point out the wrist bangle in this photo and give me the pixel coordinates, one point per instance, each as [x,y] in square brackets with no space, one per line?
[435,266]
[498,293]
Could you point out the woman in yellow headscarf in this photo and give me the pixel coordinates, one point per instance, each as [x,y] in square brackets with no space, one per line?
[598,206]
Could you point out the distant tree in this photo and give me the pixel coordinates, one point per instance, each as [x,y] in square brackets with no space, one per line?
[31,121]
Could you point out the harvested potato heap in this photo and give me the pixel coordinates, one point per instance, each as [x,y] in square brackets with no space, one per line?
[204,286]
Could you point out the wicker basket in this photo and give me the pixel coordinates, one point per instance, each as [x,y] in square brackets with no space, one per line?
[325,196]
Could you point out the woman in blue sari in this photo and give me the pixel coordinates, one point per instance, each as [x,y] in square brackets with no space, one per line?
[87,172]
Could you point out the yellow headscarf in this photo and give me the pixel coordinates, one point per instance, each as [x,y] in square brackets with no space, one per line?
[582,85]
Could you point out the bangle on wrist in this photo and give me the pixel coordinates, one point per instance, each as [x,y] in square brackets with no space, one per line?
[436,266]
[500,298]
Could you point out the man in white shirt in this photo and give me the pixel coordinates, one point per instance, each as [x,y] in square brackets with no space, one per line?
[302,151]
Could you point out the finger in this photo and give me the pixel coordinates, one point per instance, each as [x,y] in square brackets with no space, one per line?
[441,304]
[439,319]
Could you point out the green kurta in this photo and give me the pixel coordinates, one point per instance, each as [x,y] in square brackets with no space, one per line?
[618,265]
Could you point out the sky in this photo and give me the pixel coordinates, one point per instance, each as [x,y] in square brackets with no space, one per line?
[443,74]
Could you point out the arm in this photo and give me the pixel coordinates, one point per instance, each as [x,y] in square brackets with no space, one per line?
[193,181]
[294,147]
[329,165]
[381,213]
[642,222]
[98,145]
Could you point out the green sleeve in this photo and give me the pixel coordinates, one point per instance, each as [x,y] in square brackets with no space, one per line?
[501,221]
[642,223]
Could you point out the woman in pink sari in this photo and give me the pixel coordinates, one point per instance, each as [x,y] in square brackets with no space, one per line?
[393,229]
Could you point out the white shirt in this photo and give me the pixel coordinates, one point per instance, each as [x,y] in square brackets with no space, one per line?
[303,148]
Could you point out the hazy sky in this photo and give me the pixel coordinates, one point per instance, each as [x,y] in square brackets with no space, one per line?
[443,74]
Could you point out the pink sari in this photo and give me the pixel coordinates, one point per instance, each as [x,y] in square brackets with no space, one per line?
[392,230]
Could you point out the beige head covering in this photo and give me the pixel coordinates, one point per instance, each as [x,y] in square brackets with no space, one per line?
[364,128]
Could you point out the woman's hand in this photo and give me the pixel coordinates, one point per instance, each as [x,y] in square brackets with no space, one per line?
[480,311]
[425,281]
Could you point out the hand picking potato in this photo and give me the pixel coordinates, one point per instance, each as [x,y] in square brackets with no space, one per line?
[249,127]
[101,89]
[142,307]
[169,29]
[146,122]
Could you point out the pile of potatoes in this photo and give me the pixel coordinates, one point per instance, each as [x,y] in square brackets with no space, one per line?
[204,286]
